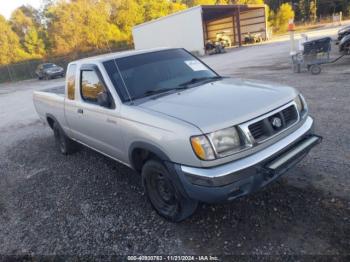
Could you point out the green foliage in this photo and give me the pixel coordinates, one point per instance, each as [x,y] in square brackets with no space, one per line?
[306,10]
[302,13]
[154,9]
[126,14]
[10,50]
[281,18]
[99,24]
[245,2]
[22,19]
[328,7]
[25,23]
[34,44]
[80,26]
[191,3]
[313,11]
[270,15]
[303,8]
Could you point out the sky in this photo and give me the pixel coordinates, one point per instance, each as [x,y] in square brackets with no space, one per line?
[7,6]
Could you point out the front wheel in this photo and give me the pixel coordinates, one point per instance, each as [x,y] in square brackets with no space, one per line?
[346,48]
[163,194]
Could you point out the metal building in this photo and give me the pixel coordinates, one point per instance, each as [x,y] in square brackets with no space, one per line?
[193,27]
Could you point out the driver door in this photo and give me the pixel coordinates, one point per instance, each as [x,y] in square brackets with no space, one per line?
[92,124]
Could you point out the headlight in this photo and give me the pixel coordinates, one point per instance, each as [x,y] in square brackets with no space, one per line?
[225,141]
[301,103]
[221,143]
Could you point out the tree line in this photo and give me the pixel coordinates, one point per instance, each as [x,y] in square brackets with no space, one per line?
[63,27]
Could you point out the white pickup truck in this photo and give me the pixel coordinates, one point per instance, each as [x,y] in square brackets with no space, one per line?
[192,134]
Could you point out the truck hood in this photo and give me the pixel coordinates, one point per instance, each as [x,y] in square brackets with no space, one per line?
[222,103]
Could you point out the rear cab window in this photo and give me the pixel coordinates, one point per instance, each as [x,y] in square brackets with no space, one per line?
[71,74]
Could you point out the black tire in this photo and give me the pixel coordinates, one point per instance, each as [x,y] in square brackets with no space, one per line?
[65,145]
[163,194]
[346,48]
[315,69]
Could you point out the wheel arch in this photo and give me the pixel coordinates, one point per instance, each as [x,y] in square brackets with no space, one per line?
[50,119]
[140,152]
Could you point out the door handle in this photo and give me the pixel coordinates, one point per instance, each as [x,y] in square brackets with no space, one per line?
[111,121]
[80,111]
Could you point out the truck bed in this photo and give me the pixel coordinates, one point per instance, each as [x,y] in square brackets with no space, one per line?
[50,102]
[58,90]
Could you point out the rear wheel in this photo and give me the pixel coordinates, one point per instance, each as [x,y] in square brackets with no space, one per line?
[63,143]
[163,194]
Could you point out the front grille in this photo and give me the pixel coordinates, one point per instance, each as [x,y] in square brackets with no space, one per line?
[257,130]
[290,115]
[274,124]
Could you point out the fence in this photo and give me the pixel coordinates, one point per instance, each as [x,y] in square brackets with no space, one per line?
[26,69]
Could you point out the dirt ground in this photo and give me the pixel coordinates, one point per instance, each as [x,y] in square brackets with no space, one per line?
[86,204]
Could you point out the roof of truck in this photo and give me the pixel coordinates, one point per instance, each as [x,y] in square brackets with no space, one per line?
[108,56]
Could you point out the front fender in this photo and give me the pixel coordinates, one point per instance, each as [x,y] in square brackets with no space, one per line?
[147,146]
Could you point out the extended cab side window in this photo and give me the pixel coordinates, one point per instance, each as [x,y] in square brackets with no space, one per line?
[90,85]
[71,82]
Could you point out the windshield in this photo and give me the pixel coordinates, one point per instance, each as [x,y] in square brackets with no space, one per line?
[48,65]
[143,75]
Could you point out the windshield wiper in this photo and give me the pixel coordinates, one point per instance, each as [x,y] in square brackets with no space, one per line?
[199,79]
[182,86]
[162,90]
[156,91]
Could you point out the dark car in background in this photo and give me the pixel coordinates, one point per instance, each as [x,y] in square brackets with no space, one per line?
[344,45]
[48,71]
[344,39]
[343,32]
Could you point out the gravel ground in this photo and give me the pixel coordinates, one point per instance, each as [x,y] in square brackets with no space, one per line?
[86,204]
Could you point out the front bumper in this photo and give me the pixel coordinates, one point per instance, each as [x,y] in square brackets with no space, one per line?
[246,175]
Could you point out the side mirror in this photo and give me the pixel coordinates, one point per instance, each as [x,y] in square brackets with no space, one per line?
[103,99]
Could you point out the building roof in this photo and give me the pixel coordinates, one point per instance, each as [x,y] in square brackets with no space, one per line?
[216,11]
[208,11]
